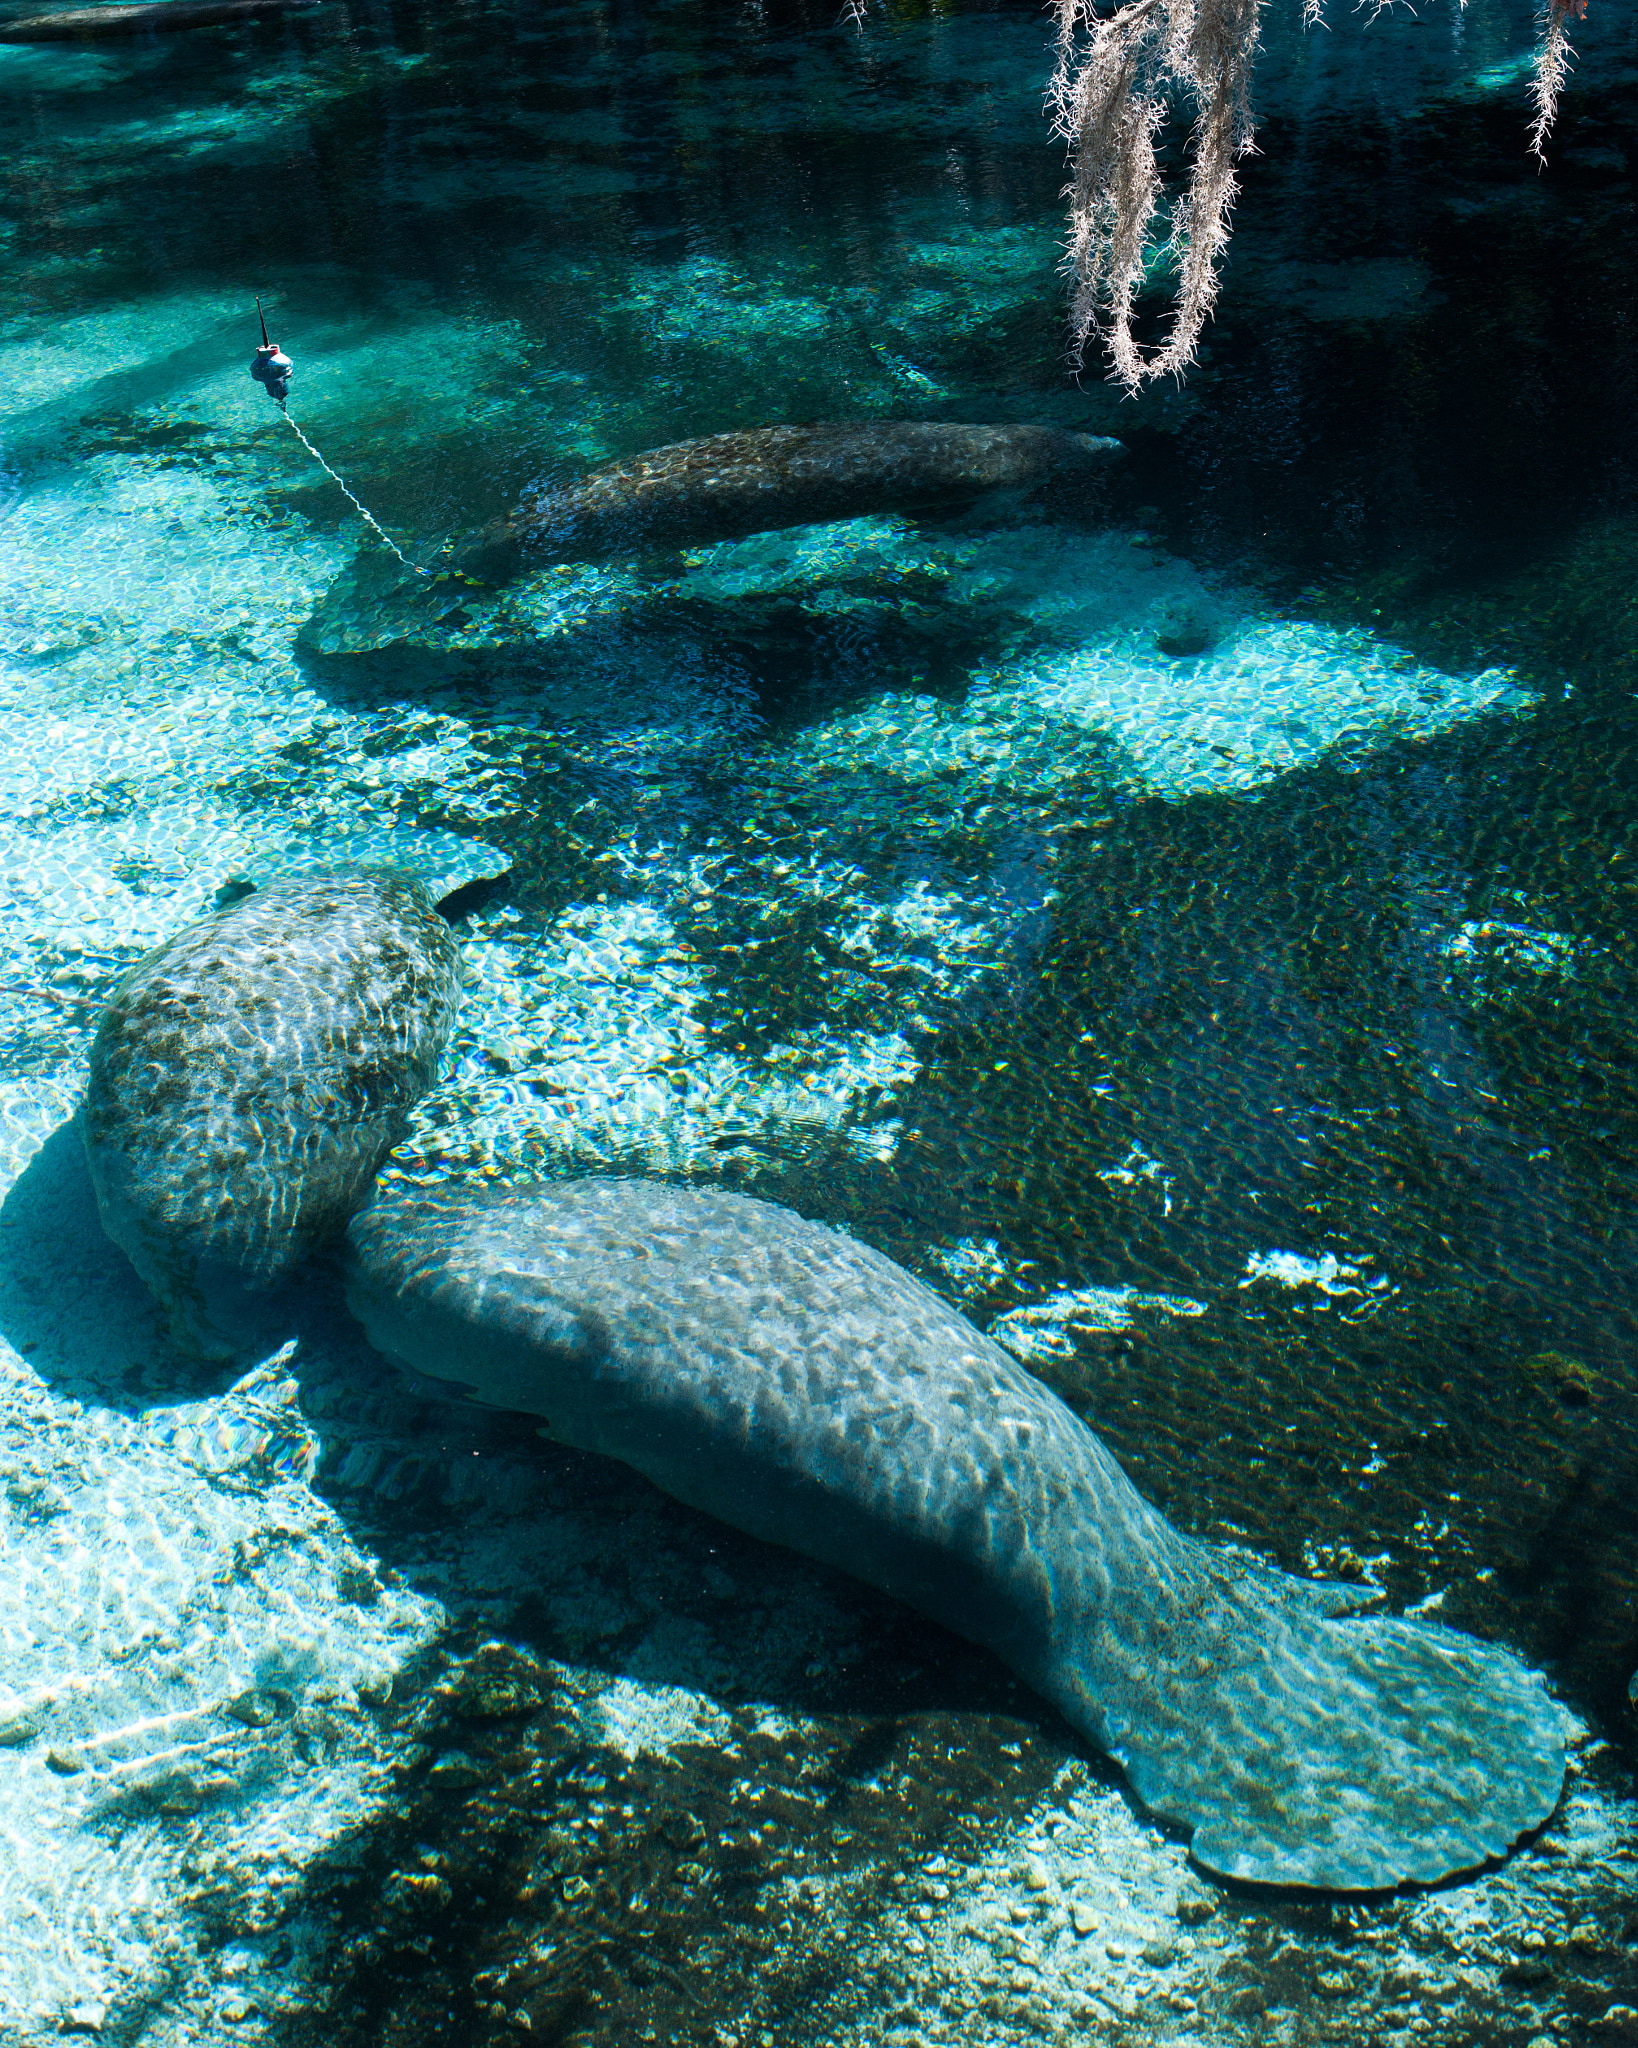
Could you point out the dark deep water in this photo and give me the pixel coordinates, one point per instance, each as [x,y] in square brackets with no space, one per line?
[1218,886]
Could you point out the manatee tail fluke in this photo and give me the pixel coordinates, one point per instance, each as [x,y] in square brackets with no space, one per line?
[1353,1754]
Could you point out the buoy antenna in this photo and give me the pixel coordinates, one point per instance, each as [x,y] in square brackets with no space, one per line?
[262,317]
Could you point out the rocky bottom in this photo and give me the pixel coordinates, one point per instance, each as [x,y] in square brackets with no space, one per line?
[942,1865]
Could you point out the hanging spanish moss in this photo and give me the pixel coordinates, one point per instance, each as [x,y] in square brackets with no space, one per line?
[1110,97]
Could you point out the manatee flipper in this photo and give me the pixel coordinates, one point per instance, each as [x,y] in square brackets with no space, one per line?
[249,1076]
[802,1387]
[477,894]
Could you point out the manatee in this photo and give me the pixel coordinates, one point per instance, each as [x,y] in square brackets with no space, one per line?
[98,24]
[722,487]
[249,1076]
[802,1387]
[725,486]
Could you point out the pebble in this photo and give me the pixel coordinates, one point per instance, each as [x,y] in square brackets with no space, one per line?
[1036,1876]
[252,1709]
[455,1771]
[21,1724]
[1194,1909]
[415,1890]
[176,1793]
[1082,1918]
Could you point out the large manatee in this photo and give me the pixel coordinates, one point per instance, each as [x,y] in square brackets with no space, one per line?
[804,1388]
[249,1076]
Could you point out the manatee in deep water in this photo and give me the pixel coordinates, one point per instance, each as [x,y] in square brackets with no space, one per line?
[721,487]
[695,492]
[98,24]
[726,486]
[804,1388]
[249,1076]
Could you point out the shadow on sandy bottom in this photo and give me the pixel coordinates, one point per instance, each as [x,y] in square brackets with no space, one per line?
[70,1301]
[414,1472]
[72,1304]
[661,655]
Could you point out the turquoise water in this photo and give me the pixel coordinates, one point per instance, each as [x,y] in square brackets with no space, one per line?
[1190,925]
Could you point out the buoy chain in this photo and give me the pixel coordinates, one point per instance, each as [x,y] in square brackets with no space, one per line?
[352,498]
[272,369]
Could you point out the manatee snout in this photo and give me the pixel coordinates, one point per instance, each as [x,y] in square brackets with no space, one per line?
[1093,451]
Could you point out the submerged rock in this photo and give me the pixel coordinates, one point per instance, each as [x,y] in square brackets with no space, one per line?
[249,1076]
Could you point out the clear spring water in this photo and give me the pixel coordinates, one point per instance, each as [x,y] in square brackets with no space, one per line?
[1193,930]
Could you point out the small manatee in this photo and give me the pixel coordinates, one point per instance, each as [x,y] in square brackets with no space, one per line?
[695,493]
[249,1076]
[163,17]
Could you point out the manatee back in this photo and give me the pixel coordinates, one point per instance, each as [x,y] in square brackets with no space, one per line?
[250,1074]
[759,479]
[760,1367]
